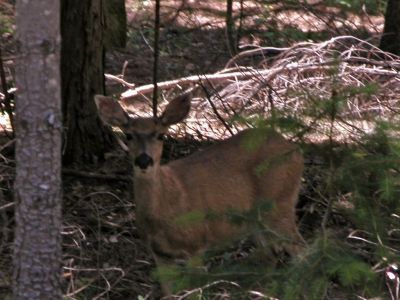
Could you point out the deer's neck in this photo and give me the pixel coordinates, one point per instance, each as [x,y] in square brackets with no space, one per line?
[147,191]
[157,196]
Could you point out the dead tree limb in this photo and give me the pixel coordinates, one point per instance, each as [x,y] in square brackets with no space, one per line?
[218,78]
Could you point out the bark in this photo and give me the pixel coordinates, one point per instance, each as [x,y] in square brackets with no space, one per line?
[37,246]
[230,27]
[390,40]
[115,34]
[82,63]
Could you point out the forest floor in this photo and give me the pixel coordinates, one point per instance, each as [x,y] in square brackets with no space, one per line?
[104,257]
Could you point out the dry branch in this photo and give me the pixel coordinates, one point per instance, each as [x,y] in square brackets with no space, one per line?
[261,51]
[91,175]
[119,80]
[214,78]
[219,78]
[299,77]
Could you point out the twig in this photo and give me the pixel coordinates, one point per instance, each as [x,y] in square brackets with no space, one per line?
[120,80]
[6,145]
[270,51]
[200,289]
[71,172]
[5,206]
[354,237]
[215,110]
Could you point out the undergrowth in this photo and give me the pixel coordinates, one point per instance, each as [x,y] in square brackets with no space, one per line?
[356,258]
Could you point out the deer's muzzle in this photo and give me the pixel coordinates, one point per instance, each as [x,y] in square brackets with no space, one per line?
[143,161]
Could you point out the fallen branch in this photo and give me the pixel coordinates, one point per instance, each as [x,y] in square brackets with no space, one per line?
[218,78]
[299,77]
[71,172]
[262,51]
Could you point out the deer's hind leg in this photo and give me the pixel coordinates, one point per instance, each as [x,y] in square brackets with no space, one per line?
[280,222]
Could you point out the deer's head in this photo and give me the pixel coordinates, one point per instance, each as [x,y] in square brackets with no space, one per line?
[144,135]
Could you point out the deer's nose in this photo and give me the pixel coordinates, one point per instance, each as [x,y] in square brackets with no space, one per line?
[143,161]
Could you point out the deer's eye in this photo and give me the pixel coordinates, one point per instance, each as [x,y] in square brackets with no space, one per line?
[161,136]
[129,136]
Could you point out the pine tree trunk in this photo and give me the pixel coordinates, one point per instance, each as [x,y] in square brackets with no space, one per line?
[82,61]
[37,246]
[391,33]
[230,27]
[116,27]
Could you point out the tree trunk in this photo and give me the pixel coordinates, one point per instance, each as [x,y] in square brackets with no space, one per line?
[37,248]
[115,34]
[82,61]
[230,27]
[390,40]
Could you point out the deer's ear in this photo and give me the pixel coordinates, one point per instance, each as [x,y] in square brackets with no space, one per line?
[110,111]
[176,110]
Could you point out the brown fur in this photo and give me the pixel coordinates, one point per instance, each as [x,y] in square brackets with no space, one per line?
[233,174]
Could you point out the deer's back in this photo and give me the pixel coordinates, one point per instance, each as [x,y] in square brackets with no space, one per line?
[229,176]
[230,173]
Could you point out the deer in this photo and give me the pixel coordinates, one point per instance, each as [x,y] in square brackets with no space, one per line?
[233,174]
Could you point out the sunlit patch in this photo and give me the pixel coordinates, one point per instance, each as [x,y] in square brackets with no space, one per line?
[5,124]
